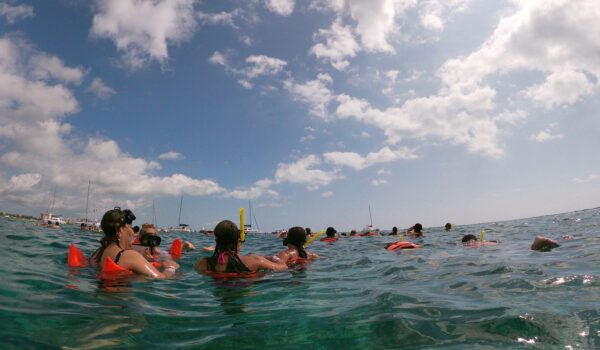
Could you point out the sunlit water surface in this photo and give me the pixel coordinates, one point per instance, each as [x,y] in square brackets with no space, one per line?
[358,296]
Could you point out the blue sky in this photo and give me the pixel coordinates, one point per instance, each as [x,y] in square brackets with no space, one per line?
[429,111]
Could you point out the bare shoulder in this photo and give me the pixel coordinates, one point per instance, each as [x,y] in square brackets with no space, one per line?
[202,265]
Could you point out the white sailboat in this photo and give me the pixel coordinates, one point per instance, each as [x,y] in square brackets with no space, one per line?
[248,227]
[181,227]
[47,217]
[370,229]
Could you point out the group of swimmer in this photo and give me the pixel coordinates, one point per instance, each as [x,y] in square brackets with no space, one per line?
[141,254]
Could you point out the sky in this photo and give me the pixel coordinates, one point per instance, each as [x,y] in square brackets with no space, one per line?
[431,111]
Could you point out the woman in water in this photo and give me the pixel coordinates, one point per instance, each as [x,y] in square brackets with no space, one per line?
[294,241]
[226,258]
[149,241]
[415,231]
[116,244]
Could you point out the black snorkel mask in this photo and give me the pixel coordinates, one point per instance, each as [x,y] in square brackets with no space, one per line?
[150,241]
[129,215]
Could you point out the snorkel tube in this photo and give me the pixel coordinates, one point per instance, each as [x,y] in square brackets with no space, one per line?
[481,234]
[242,227]
[313,238]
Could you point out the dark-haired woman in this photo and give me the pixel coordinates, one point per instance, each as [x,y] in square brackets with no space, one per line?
[116,245]
[226,257]
[294,241]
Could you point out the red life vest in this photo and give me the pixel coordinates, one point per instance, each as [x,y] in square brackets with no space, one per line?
[402,245]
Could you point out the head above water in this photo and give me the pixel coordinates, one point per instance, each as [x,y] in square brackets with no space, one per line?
[227,235]
[330,232]
[114,219]
[296,236]
[308,231]
[394,230]
[418,227]
[448,226]
[469,238]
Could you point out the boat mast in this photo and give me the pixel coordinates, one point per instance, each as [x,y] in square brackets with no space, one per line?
[51,207]
[370,216]
[87,201]
[180,204]
[250,205]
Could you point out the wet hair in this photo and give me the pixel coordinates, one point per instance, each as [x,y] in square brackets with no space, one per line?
[330,232]
[395,230]
[308,232]
[297,237]
[227,236]
[418,227]
[111,222]
[136,229]
[448,226]
[467,238]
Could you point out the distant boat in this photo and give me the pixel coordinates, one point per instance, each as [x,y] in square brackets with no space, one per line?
[248,227]
[45,217]
[181,227]
[370,230]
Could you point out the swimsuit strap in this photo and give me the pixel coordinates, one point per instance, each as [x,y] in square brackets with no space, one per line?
[118,256]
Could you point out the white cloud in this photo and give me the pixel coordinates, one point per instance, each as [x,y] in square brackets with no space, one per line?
[143,29]
[383,172]
[339,44]
[280,7]
[225,18]
[303,172]
[315,93]
[327,194]
[219,58]
[560,88]
[260,188]
[38,141]
[435,13]
[263,65]
[171,156]
[588,178]
[358,162]
[547,134]
[12,14]
[256,66]
[307,138]
[378,182]
[19,183]
[100,89]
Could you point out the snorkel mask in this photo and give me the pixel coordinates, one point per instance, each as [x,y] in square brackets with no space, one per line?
[150,241]
[129,215]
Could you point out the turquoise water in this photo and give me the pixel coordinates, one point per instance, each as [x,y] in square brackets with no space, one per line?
[358,296]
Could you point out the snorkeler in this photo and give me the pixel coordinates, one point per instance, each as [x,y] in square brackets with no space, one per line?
[116,246]
[226,258]
[394,231]
[415,231]
[295,240]
[472,241]
[545,244]
[148,244]
[330,235]
[448,226]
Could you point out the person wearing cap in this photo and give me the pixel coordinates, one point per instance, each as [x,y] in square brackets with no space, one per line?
[330,235]
[116,245]
[295,252]
[415,231]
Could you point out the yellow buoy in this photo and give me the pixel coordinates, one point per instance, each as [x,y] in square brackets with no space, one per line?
[242,227]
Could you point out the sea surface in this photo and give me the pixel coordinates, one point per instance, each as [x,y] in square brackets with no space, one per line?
[358,296]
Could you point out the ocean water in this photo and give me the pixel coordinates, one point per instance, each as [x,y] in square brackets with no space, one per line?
[358,296]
